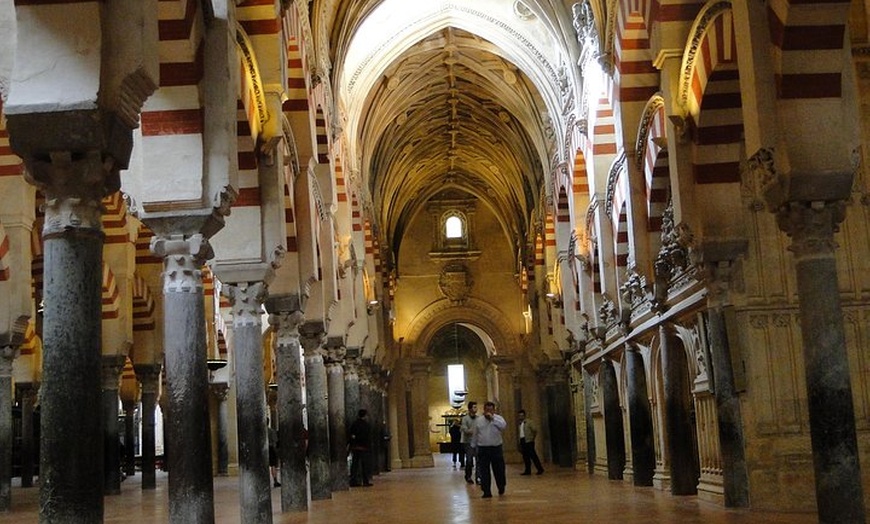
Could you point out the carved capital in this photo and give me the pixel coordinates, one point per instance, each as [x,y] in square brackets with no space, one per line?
[811,226]
[183,256]
[313,338]
[149,377]
[112,365]
[246,302]
[335,350]
[74,186]
[286,324]
[219,390]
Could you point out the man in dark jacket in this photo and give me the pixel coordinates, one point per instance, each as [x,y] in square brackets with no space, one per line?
[359,440]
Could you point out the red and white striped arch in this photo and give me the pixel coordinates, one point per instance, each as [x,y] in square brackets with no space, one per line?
[143,305]
[809,36]
[652,158]
[115,219]
[297,92]
[710,93]
[111,299]
[5,267]
[634,74]
[10,163]
[249,177]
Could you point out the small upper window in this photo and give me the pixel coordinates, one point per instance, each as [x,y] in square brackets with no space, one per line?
[453,227]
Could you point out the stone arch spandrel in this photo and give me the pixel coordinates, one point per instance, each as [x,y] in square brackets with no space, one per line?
[475,314]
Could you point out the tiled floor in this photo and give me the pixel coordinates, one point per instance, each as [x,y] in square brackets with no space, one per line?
[440,496]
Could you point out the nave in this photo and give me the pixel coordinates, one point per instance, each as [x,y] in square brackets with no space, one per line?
[440,496]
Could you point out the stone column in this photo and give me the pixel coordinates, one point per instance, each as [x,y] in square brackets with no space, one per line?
[735,477]
[191,492]
[643,455]
[505,367]
[220,391]
[112,367]
[558,398]
[7,355]
[337,426]
[285,319]
[678,424]
[351,387]
[149,378]
[313,340]
[128,459]
[28,400]
[614,430]
[811,226]
[419,416]
[246,300]
[74,183]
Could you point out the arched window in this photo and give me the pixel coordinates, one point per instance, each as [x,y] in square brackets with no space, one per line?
[453,227]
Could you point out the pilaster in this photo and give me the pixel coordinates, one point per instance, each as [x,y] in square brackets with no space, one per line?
[418,370]
[505,374]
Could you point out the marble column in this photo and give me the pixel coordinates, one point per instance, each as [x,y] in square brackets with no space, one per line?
[558,401]
[351,387]
[643,456]
[128,459]
[285,318]
[191,492]
[149,378]
[246,301]
[419,415]
[221,391]
[313,340]
[678,424]
[112,367]
[28,401]
[614,429]
[505,368]
[337,427]
[7,355]
[71,488]
[735,477]
[811,226]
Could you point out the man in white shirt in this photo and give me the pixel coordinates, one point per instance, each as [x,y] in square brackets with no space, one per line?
[487,439]
[527,433]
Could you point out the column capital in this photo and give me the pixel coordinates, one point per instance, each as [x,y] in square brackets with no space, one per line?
[335,350]
[286,323]
[719,259]
[74,184]
[312,334]
[7,355]
[149,376]
[811,226]
[183,255]
[246,301]
[112,365]
[219,390]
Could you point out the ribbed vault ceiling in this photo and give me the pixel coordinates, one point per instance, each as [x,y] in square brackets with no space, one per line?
[451,113]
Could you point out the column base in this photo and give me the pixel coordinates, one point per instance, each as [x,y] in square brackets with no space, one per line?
[712,489]
[662,480]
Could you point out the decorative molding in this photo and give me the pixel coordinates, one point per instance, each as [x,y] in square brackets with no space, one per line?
[455,283]
[652,107]
[616,169]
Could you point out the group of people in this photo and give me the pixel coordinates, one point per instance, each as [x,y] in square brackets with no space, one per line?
[481,447]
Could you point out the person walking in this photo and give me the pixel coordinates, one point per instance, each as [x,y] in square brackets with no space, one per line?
[488,440]
[527,433]
[456,446]
[467,428]
[359,440]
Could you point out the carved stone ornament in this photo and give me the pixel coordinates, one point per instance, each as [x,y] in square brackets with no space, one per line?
[759,177]
[455,282]
[635,290]
[677,241]
[608,312]
[587,33]
[811,226]
[183,256]
[246,301]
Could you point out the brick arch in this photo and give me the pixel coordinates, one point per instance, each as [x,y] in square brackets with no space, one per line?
[474,313]
[711,46]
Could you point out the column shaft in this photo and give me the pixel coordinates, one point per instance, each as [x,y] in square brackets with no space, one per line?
[678,424]
[643,455]
[6,355]
[28,398]
[148,376]
[255,489]
[188,434]
[129,457]
[219,391]
[112,366]
[839,492]
[292,443]
[71,458]
[337,426]
[318,426]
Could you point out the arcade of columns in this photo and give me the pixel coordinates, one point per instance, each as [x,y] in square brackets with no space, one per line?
[196,213]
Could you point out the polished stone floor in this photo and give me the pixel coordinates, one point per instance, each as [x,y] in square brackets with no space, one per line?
[440,495]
